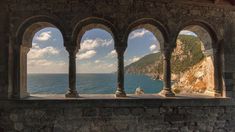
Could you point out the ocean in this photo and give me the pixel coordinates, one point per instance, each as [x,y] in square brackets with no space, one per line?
[90,83]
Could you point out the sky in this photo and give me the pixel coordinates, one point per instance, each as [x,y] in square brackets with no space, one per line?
[96,55]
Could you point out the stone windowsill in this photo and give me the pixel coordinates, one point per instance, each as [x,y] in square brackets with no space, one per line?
[109,100]
[112,97]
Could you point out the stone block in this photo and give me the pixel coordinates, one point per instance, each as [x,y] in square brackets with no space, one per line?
[122,111]
[73,113]
[228,75]
[92,112]
[18,126]
[104,112]
[175,117]
[152,111]
[138,111]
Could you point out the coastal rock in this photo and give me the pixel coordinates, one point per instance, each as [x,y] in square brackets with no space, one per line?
[139,91]
[192,70]
[197,79]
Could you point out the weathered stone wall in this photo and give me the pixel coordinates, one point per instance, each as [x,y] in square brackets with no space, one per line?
[4,42]
[114,115]
[228,55]
[118,116]
[121,15]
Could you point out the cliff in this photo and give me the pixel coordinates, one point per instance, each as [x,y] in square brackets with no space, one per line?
[191,70]
[197,79]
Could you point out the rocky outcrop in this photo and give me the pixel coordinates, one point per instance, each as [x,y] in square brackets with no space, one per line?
[139,91]
[197,79]
[192,72]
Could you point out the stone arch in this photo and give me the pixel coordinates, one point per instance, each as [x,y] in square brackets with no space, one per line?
[24,37]
[203,30]
[30,26]
[210,48]
[157,28]
[90,23]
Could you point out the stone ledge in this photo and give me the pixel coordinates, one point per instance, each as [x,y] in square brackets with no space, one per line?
[151,100]
[112,96]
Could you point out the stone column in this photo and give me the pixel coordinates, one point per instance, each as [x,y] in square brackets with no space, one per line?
[217,73]
[23,71]
[167,92]
[120,71]
[20,72]
[72,92]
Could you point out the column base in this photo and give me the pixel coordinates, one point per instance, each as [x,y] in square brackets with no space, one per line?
[167,93]
[72,94]
[120,94]
[21,95]
[24,95]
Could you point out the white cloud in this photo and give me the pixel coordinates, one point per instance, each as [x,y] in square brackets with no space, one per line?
[41,62]
[35,46]
[153,47]
[44,36]
[101,67]
[134,59]
[97,61]
[87,55]
[46,66]
[186,32]
[90,44]
[111,65]
[138,33]
[112,54]
[36,52]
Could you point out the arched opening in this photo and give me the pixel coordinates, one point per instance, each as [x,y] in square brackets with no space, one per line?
[143,60]
[47,64]
[42,60]
[96,61]
[193,63]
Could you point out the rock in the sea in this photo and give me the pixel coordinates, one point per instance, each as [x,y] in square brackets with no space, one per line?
[139,91]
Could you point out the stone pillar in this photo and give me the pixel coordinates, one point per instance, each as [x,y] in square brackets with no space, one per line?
[120,71]
[20,72]
[72,92]
[23,71]
[217,73]
[167,92]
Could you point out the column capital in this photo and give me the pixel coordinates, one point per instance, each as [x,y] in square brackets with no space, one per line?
[72,50]
[167,50]
[120,50]
[24,49]
[166,53]
[215,50]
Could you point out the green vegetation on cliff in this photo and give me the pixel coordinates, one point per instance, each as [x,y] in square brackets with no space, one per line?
[186,54]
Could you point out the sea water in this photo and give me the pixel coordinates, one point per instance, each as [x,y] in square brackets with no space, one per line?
[90,83]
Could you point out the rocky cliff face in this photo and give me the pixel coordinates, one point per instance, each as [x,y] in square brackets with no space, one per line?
[197,79]
[192,72]
[150,65]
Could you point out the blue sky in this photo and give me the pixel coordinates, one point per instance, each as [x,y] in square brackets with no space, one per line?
[97,54]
